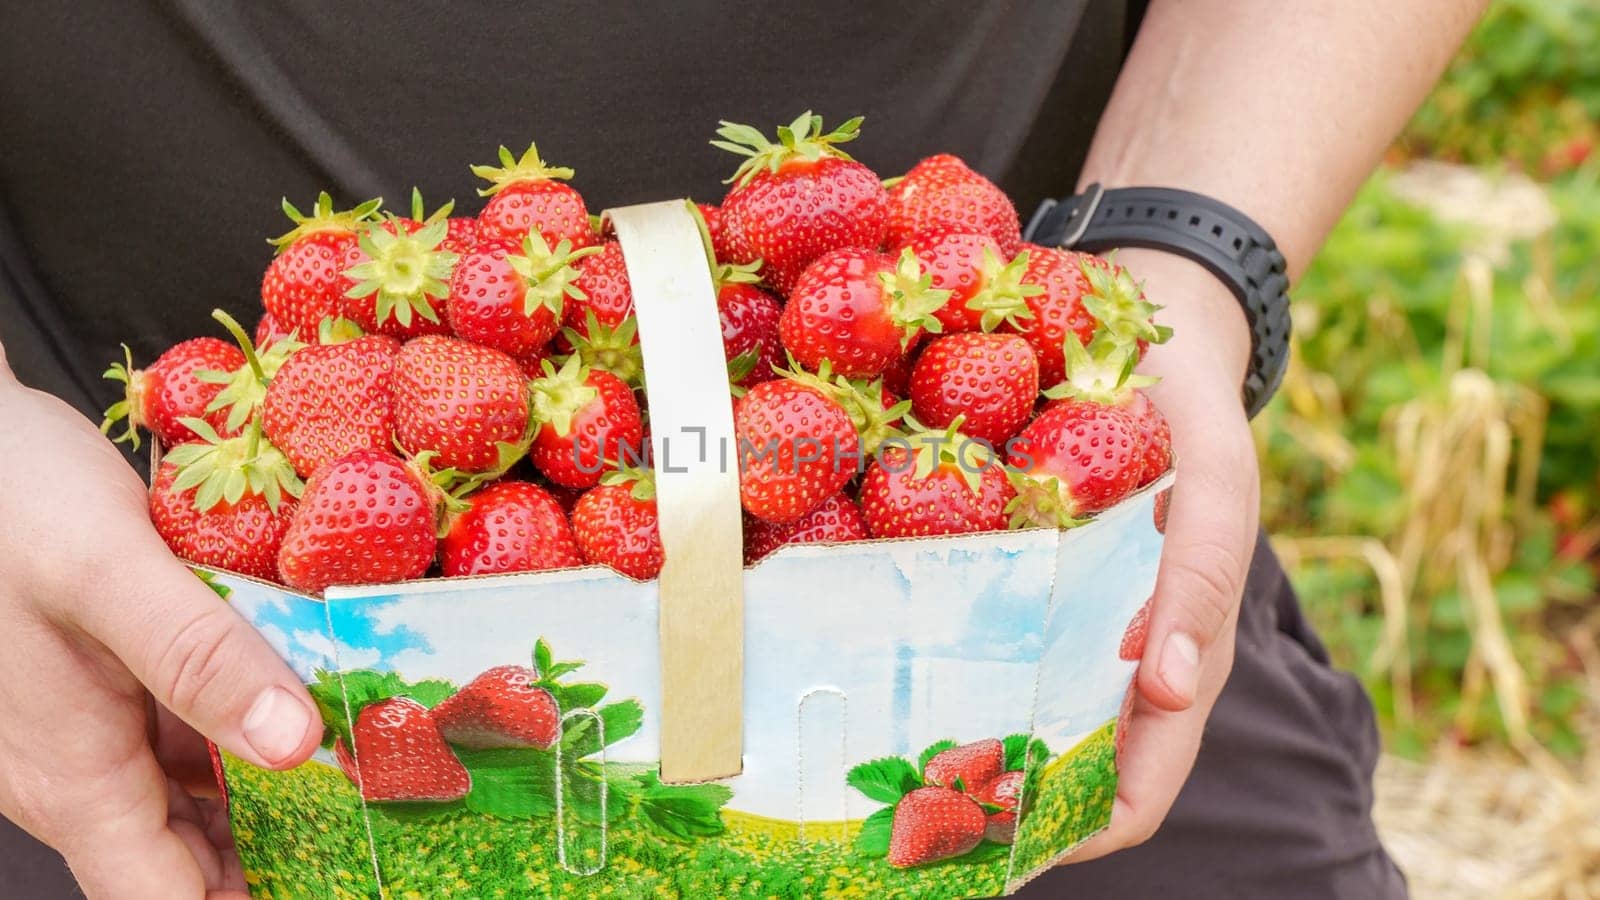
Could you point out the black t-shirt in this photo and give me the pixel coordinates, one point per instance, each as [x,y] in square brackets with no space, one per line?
[144,145]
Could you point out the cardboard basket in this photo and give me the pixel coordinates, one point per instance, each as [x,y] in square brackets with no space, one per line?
[731,732]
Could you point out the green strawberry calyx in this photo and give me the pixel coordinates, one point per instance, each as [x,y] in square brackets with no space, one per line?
[447,489]
[245,387]
[937,451]
[324,218]
[406,271]
[561,394]
[861,398]
[610,349]
[733,273]
[223,470]
[131,406]
[548,276]
[516,170]
[338,330]
[1003,298]
[1118,302]
[641,482]
[911,299]
[419,210]
[1101,373]
[1041,501]
[802,140]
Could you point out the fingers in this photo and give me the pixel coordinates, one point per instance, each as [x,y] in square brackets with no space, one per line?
[200,660]
[119,844]
[1210,539]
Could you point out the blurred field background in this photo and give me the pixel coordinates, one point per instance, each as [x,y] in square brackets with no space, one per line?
[1431,478]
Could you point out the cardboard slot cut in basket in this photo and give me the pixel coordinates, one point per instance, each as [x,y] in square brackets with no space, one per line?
[731,731]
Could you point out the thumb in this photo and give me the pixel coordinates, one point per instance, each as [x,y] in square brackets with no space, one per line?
[203,661]
[1210,538]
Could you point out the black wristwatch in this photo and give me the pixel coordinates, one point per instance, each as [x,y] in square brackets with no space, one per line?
[1213,234]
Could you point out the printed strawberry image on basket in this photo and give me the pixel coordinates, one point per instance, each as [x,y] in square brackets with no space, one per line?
[823,473]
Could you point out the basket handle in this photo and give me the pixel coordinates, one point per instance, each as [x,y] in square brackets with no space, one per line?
[701,585]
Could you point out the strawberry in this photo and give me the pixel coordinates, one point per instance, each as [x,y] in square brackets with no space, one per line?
[860,310]
[527,196]
[225,503]
[605,291]
[304,284]
[967,767]
[1057,287]
[504,707]
[268,331]
[835,521]
[942,193]
[588,422]
[897,378]
[794,442]
[331,399]
[1076,458]
[465,402]
[400,756]
[243,387]
[396,279]
[749,317]
[991,379]
[1005,791]
[722,248]
[1103,373]
[875,411]
[1125,719]
[617,526]
[1134,636]
[169,390]
[511,526]
[514,302]
[934,823]
[799,198]
[1162,510]
[365,518]
[946,484]
[984,290]
[461,232]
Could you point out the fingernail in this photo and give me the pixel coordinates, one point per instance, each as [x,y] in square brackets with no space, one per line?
[276,724]
[1180,665]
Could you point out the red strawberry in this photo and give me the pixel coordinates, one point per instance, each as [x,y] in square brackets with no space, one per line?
[526,196]
[1125,718]
[511,526]
[1163,508]
[799,198]
[617,526]
[1058,287]
[1005,791]
[985,290]
[942,194]
[331,399]
[722,248]
[1077,458]
[973,765]
[860,310]
[797,447]
[304,284]
[268,331]
[947,484]
[603,280]
[244,387]
[503,707]
[1134,636]
[991,379]
[400,756]
[897,378]
[465,402]
[168,390]
[934,823]
[365,518]
[837,520]
[514,302]
[749,316]
[588,422]
[396,280]
[225,503]
[1103,373]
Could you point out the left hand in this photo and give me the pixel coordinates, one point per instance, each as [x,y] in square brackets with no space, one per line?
[1211,535]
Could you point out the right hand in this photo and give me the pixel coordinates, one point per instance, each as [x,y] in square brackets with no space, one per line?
[105,632]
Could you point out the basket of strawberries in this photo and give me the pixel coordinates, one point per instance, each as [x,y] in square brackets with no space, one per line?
[851,496]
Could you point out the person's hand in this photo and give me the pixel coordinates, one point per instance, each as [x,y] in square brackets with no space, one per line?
[1211,534]
[104,632]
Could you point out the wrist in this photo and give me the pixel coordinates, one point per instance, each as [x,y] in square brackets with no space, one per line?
[1209,326]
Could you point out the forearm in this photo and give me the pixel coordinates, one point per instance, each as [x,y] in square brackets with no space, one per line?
[1278,109]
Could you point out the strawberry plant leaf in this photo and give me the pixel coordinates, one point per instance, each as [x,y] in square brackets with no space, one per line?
[933,750]
[620,720]
[1019,746]
[402,814]
[578,695]
[510,783]
[541,657]
[873,839]
[988,851]
[885,780]
[681,811]
[430,693]
[559,669]
[328,694]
